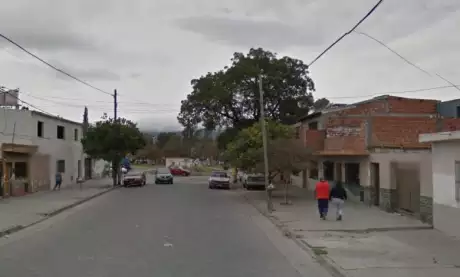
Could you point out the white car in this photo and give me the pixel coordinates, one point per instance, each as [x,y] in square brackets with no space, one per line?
[219,179]
[253,181]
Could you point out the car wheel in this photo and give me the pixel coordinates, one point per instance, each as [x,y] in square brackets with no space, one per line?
[211,187]
[171,182]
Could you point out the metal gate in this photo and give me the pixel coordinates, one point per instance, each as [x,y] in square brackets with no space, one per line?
[408,186]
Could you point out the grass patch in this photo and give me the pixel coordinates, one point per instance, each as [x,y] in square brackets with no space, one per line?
[205,168]
[319,250]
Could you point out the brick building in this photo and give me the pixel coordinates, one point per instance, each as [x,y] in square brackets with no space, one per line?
[373,147]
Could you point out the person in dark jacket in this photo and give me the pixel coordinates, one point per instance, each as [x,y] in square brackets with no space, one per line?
[337,197]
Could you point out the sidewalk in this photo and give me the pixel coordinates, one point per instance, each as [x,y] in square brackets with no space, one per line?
[19,212]
[368,242]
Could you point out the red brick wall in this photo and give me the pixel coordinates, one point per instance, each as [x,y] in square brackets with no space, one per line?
[345,134]
[377,106]
[393,105]
[450,124]
[412,106]
[314,139]
[401,132]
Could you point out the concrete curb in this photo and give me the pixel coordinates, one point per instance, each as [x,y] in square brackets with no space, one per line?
[17,228]
[323,260]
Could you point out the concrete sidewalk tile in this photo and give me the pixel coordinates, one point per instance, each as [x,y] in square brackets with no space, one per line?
[367,239]
[21,212]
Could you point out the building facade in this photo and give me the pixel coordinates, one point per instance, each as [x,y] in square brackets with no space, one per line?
[446,180]
[373,147]
[34,147]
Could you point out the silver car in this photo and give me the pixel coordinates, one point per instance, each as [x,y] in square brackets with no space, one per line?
[219,179]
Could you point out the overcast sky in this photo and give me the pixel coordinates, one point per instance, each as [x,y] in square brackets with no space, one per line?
[150,49]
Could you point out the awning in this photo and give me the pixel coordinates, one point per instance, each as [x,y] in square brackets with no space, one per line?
[19,148]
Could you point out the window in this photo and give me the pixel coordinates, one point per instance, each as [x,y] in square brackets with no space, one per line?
[457,181]
[75,134]
[458,111]
[60,132]
[60,166]
[313,125]
[39,129]
[297,132]
[20,169]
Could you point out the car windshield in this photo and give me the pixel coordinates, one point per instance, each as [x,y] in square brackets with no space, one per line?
[163,171]
[219,174]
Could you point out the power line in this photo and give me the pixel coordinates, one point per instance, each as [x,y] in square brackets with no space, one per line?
[394,52]
[347,33]
[30,105]
[95,101]
[52,66]
[132,110]
[406,60]
[393,92]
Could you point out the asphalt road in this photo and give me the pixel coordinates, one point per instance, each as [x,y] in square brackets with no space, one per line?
[177,230]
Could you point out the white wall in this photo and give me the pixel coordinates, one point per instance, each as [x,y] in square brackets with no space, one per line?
[21,130]
[446,210]
[98,168]
[25,132]
[178,161]
[444,156]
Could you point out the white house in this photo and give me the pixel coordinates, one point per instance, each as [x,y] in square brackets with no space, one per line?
[176,161]
[446,180]
[35,146]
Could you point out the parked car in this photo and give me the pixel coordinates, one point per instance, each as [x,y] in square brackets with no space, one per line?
[219,179]
[253,181]
[163,176]
[179,171]
[134,179]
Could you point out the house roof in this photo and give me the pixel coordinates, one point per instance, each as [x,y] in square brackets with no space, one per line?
[327,109]
[58,118]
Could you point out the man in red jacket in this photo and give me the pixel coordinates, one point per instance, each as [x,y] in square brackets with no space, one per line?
[322,196]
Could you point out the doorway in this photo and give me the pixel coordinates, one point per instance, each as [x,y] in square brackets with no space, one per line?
[375,175]
[408,187]
[88,168]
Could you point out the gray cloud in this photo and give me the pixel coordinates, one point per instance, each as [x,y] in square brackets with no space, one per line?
[48,40]
[89,74]
[42,26]
[251,32]
[150,49]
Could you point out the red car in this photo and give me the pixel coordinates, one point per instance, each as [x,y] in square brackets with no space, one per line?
[178,171]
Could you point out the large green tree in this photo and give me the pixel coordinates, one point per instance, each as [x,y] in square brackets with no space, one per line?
[230,97]
[244,151]
[163,137]
[110,140]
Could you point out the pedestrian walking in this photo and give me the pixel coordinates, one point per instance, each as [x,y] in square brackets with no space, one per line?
[338,197]
[58,177]
[322,197]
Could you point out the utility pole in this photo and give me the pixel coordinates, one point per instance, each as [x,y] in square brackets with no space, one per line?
[265,148]
[115,162]
[115,104]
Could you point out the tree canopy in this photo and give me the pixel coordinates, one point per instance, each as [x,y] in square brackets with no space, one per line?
[109,139]
[245,150]
[285,153]
[230,97]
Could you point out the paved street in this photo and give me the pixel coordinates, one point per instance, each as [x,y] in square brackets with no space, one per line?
[158,230]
